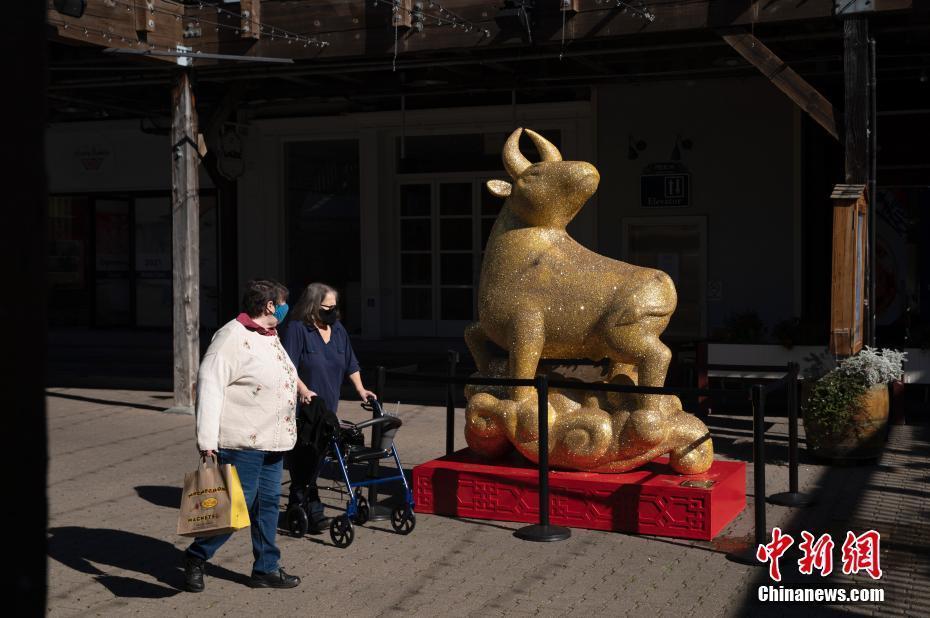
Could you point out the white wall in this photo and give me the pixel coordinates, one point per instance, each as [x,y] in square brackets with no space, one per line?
[261,227]
[743,180]
[114,155]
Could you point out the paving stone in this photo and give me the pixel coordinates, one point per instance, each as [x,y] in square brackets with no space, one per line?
[116,465]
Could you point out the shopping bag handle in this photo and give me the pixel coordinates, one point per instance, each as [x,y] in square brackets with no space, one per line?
[208,458]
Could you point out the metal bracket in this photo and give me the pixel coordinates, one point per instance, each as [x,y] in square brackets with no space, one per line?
[192,31]
[851,7]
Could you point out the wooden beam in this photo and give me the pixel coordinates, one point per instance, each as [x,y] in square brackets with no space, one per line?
[354,28]
[251,11]
[784,78]
[143,13]
[185,202]
[121,23]
[358,29]
[402,17]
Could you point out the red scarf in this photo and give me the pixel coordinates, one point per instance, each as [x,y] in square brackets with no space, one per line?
[245,320]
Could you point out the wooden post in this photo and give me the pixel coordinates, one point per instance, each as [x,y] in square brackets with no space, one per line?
[856,71]
[857,147]
[185,203]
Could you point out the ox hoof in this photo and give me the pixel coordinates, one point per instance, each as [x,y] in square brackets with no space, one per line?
[693,450]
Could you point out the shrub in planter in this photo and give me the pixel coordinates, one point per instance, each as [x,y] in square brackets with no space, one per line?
[846,412]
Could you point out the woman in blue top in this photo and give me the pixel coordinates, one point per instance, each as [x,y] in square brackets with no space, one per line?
[319,347]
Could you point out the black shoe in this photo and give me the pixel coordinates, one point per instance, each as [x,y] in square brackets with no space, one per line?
[320,525]
[193,574]
[280,579]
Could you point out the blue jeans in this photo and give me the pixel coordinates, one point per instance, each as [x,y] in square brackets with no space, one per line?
[260,475]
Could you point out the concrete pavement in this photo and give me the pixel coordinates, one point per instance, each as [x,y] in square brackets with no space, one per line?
[117,462]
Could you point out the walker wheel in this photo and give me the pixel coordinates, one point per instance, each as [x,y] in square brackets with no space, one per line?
[341,531]
[362,511]
[403,519]
[297,521]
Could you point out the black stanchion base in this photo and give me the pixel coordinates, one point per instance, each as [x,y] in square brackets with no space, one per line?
[791,498]
[379,512]
[543,534]
[745,556]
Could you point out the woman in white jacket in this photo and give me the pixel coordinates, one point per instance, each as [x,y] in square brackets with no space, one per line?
[247,391]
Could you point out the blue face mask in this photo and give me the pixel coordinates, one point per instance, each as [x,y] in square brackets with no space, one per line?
[280,312]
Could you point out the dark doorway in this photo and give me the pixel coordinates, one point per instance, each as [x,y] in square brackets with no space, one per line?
[323,233]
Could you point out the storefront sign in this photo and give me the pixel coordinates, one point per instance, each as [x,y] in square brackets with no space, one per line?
[93,157]
[665,185]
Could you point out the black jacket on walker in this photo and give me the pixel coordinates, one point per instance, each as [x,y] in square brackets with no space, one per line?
[316,427]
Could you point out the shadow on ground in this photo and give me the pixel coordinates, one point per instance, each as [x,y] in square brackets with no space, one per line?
[106,402]
[83,548]
[160,495]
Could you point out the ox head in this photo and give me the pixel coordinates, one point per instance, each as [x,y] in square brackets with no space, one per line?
[549,193]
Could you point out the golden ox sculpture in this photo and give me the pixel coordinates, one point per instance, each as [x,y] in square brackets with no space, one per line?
[543,295]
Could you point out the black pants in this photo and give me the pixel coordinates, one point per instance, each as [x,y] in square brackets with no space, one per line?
[304,464]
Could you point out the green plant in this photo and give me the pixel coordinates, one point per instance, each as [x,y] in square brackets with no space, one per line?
[832,401]
[834,396]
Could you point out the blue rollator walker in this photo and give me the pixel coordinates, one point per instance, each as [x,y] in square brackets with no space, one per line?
[347,447]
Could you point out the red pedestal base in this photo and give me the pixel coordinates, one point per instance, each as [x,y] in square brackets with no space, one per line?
[650,500]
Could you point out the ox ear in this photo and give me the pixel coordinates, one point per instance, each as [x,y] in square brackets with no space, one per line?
[500,188]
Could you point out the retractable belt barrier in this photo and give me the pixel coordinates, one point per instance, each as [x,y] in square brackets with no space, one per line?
[544,531]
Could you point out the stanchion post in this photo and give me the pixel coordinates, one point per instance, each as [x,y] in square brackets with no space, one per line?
[792,497]
[376,511]
[450,403]
[758,460]
[748,555]
[543,531]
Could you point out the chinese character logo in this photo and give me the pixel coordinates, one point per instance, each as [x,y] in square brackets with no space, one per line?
[817,555]
[773,551]
[860,553]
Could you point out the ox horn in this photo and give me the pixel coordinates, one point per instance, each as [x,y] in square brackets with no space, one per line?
[514,161]
[546,149]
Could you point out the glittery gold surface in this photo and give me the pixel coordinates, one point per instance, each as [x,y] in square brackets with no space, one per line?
[543,295]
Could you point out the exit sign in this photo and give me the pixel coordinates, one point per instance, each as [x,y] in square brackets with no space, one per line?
[665,185]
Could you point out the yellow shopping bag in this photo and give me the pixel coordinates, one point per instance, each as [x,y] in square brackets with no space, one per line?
[212,502]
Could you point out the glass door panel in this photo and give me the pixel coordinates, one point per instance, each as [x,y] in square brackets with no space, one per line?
[416,259]
[153,262]
[70,294]
[456,257]
[112,263]
[440,231]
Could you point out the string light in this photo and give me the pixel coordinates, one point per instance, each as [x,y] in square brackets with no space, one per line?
[445,17]
[275,32]
[641,11]
[289,36]
[108,36]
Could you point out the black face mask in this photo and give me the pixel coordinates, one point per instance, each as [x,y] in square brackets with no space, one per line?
[328,316]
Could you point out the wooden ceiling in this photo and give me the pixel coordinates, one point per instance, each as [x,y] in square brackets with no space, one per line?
[345,60]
